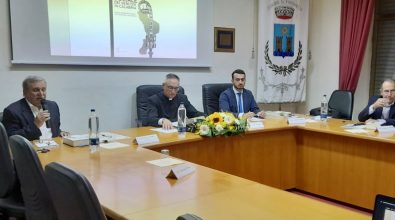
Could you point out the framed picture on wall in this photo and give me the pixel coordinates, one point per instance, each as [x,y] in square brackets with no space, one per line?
[224,39]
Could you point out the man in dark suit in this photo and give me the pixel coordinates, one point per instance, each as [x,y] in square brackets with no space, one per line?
[239,100]
[27,117]
[162,107]
[381,107]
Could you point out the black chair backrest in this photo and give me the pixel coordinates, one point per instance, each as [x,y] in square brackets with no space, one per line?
[143,92]
[73,195]
[341,104]
[210,94]
[7,170]
[1,116]
[38,203]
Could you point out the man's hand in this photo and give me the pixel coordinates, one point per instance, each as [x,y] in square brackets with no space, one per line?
[381,102]
[248,115]
[261,114]
[41,118]
[166,124]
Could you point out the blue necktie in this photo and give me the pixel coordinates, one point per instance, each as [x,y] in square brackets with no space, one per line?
[240,103]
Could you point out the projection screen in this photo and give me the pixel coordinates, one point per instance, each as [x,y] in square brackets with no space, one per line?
[112,32]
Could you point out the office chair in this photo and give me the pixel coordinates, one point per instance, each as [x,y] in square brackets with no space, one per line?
[73,195]
[143,92]
[1,116]
[35,193]
[210,94]
[11,203]
[340,105]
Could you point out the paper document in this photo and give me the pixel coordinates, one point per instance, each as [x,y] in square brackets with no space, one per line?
[296,121]
[357,130]
[168,161]
[113,145]
[46,144]
[255,119]
[147,139]
[353,126]
[161,130]
[255,125]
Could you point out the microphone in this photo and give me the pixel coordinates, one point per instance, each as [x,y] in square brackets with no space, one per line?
[45,107]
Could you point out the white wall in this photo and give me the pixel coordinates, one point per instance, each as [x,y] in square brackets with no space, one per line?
[324,44]
[111,90]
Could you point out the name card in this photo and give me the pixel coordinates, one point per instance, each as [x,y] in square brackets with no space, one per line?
[386,129]
[147,139]
[180,171]
[296,121]
[255,125]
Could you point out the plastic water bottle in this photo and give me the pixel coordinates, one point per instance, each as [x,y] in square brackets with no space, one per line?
[324,109]
[182,120]
[94,141]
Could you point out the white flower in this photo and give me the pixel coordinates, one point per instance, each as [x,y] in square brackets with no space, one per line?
[204,129]
[219,128]
[237,121]
[228,119]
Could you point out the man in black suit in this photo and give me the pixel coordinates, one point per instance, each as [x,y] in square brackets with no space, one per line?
[163,106]
[381,107]
[27,117]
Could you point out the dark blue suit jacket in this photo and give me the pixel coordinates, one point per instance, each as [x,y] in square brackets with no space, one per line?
[228,103]
[18,119]
[364,114]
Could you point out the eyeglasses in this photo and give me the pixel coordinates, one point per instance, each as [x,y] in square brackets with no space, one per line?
[172,88]
[389,91]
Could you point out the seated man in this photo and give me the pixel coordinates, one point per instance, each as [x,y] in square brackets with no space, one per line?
[239,100]
[162,107]
[381,107]
[27,117]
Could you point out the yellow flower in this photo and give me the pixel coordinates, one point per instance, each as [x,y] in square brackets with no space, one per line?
[215,118]
[220,123]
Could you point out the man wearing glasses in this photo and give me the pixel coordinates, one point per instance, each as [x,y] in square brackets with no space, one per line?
[381,107]
[162,107]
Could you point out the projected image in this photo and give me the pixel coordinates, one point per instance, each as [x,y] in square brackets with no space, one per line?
[79,27]
[155,28]
[134,29]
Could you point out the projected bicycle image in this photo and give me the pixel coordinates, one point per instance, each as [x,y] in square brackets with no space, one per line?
[151,28]
[132,29]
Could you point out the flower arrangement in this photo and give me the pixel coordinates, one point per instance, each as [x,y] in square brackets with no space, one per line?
[220,123]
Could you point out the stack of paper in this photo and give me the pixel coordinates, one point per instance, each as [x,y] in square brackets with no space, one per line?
[83,139]
[296,121]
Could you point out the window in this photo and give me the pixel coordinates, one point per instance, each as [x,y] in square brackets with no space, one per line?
[383,54]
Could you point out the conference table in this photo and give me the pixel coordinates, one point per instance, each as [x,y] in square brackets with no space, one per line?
[240,177]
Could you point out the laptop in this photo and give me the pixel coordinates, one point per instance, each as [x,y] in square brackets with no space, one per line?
[384,208]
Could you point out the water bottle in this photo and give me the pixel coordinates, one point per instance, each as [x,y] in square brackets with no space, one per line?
[324,109]
[93,132]
[182,120]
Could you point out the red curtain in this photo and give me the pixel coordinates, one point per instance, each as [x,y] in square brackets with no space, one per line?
[356,18]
